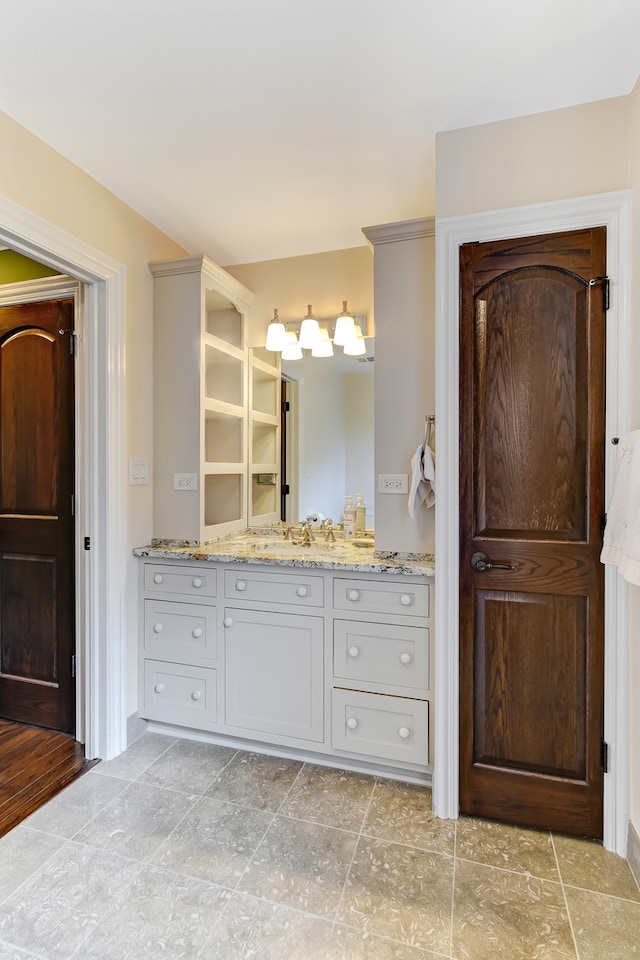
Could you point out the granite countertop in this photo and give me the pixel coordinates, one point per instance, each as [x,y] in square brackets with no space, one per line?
[267,547]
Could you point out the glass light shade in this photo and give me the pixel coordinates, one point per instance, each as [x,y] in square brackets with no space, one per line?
[276,334]
[345,328]
[324,347]
[356,347]
[309,331]
[292,350]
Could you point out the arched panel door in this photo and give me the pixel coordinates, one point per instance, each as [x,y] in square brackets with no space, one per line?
[37,623]
[532,487]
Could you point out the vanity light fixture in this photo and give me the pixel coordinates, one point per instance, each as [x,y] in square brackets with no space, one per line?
[276,334]
[356,347]
[309,331]
[345,327]
[323,347]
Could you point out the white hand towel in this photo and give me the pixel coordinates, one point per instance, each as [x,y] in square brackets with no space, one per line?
[621,541]
[422,485]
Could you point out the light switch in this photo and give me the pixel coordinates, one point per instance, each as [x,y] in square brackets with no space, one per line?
[138,471]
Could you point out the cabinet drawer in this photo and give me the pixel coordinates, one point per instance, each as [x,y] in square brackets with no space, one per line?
[379,596]
[179,631]
[190,581]
[381,653]
[391,728]
[174,693]
[296,589]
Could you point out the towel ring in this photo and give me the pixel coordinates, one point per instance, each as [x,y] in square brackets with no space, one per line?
[428,433]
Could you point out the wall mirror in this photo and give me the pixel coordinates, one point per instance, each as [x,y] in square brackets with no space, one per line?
[327,434]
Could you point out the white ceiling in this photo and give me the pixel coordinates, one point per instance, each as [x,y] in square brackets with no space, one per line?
[257,129]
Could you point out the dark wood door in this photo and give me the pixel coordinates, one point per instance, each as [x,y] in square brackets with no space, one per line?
[37,596]
[532,362]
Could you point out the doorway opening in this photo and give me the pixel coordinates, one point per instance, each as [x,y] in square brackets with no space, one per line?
[100,492]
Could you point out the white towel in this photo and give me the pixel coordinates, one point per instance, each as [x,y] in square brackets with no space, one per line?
[621,541]
[422,488]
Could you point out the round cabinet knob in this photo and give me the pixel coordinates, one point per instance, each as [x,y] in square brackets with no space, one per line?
[404,732]
[354,594]
[228,621]
[241,585]
[352,723]
[196,632]
[159,688]
[405,600]
[354,651]
[196,695]
[302,591]
[158,578]
[157,628]
[406,658]
[197,581]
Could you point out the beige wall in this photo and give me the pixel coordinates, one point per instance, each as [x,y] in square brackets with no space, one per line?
[578,151]
[40,180]
[546,156]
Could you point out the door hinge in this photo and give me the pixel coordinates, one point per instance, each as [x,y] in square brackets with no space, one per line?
[73,505]
[87,543]
[605,756]
[606,290]
[72,340]
[73,665]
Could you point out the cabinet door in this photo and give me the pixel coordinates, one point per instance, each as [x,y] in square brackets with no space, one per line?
[274,665]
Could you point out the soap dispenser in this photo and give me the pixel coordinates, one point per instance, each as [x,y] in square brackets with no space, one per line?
[349,519]
[361,514]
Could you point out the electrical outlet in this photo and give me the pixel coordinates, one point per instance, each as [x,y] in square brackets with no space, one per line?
[184,481]
[393,483]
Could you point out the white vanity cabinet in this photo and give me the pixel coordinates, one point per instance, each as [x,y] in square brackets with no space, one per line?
[332,667]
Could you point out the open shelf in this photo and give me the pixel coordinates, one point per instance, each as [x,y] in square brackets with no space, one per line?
[224,376]
[265,498]
[223,320]
[223,438]
[223,498]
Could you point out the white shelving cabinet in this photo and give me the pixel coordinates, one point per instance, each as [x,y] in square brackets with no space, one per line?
[201,393]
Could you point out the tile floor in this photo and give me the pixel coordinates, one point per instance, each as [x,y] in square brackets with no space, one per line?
[180,849]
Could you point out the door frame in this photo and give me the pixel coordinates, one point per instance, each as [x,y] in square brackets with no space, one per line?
[612,210]
[100,473]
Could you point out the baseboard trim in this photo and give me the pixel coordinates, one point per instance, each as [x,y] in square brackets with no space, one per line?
[136,726]
[633,852]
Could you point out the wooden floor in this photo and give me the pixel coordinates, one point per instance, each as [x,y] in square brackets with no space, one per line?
[35,764]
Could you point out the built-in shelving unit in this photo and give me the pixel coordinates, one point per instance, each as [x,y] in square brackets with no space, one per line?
[201,400]
[264,444]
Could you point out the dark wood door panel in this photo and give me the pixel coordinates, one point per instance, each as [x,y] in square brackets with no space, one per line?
[526,715]
[531,386]
[29,422]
